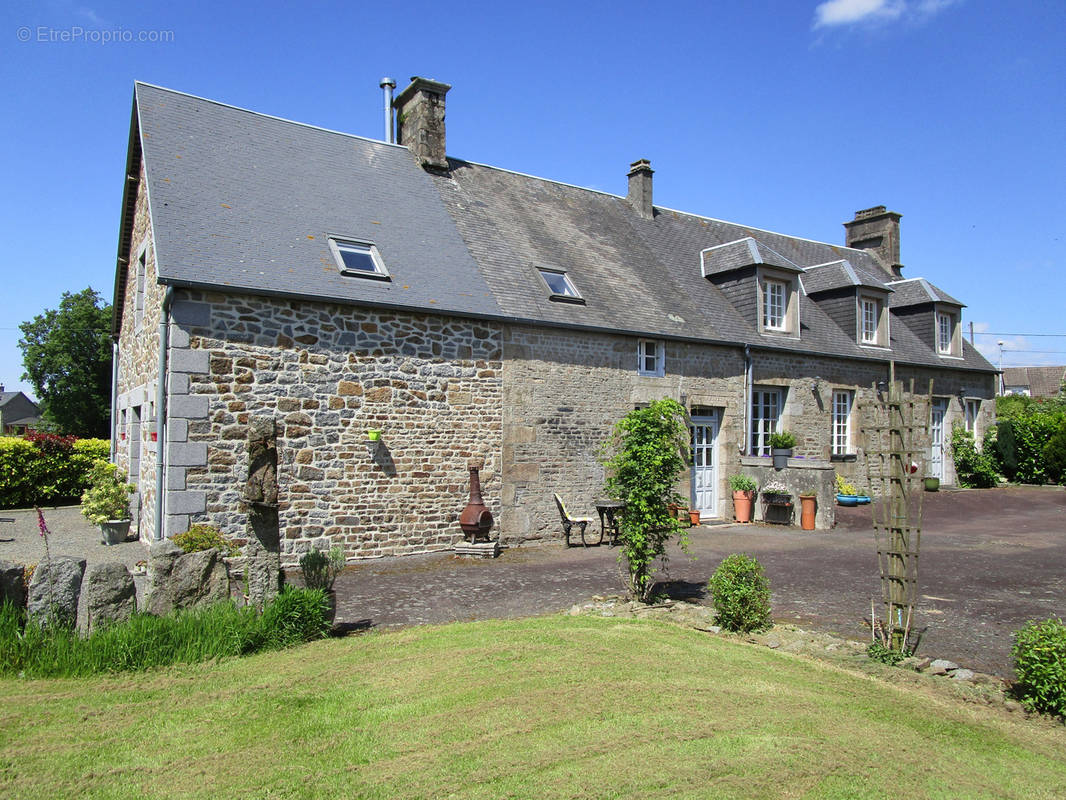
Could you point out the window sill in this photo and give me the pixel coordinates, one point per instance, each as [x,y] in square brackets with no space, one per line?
[839,457]
[565,298]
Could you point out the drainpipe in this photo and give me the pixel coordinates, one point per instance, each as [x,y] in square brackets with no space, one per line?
[746,444]
[161,410]
[114,399]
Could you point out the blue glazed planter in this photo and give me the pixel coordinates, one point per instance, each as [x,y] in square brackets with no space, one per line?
[852,499]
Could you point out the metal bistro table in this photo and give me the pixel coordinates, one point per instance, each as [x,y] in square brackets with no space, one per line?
[607,509]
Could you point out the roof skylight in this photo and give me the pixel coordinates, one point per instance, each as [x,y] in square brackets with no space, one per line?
[560,285]
[359,259]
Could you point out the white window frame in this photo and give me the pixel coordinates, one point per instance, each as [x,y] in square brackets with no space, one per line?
[950,319]
[774,305]
[570,294]
[767,403]
[971,408]
[651,353]
[943,324]
[843,403]
[337,244]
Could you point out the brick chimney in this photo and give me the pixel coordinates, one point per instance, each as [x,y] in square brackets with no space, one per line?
[876,229]
[420,121]
[639,195]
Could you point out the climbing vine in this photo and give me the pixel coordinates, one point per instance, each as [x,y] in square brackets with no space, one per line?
[645,456]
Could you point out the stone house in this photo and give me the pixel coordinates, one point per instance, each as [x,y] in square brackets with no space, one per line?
[1034,381]
[330,284]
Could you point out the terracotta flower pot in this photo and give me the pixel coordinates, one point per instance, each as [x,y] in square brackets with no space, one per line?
[807,510]
[694,517]
[742,505]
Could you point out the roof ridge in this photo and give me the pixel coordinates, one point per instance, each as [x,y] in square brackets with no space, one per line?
[308,125]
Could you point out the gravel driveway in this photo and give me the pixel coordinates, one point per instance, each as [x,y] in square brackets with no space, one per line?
[991,560]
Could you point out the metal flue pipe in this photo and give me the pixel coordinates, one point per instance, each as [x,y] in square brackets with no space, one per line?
[388,84]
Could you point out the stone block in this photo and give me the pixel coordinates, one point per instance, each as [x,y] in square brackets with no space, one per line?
[178,430]
[187,502]
[190,314]
[195,361]
[184,580]
[110,594]
[12,584]
[190,406]
[54,591]
[176,479]
[187,454]
[522,473]
[178,383]
[176,523]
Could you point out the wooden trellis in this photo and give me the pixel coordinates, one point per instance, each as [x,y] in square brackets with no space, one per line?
[894,431]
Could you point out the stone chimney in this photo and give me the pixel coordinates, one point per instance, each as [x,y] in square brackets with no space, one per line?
[877,230]
[639,195]
[420,121]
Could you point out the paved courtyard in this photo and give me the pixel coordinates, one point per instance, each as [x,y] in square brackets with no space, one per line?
[991,560]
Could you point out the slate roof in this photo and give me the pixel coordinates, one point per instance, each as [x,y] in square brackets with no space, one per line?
[1042,381]
[840,275]
[918,291]
[247,201]
[743,253]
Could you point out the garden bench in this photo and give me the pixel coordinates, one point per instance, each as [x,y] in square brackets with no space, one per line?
[569,523]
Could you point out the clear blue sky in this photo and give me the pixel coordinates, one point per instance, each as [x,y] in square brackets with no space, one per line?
[781,115]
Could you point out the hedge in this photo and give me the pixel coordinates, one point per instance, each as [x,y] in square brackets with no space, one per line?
[45,469]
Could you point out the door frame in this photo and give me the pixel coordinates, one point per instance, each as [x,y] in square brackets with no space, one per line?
[712,421]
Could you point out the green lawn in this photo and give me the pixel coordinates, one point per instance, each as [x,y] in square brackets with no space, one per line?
[547,707]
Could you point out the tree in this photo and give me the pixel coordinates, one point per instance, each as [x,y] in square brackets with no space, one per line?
[645,457]
[66,353]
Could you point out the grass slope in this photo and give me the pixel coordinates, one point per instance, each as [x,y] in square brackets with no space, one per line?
[546,707]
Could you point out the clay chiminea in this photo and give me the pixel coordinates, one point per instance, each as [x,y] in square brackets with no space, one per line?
[476,519]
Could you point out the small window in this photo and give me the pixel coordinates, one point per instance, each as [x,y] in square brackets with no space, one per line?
[651,358]
[842,403]
[871,318]
[765,419]
[360,259]
[948,341]
[773,316]
[560,286]
[973,408]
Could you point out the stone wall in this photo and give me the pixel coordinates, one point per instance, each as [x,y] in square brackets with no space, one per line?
[138,367]
[327,373]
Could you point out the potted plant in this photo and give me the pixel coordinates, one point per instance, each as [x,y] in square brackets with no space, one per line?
[319,570]
[931,484]
[847,494]
[781,445]
[106,502]
[743,488]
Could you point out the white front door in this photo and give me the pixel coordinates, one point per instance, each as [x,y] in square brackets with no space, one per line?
[936,438]
[705,464]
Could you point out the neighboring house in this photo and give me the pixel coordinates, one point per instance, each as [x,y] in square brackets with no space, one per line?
[17,412]
[335,283]
[1034,381]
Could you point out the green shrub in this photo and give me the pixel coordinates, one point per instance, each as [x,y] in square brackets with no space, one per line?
[1040,662]
[203,536]
[886,655]
[107,497]
[320,568]
[999,443]
[45,469]
[1055,455]
[1033,422]
[741,594]
[973,469]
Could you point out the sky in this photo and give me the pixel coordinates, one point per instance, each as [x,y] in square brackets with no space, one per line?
[786,116]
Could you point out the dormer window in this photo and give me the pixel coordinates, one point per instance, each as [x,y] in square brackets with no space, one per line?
[651,358]
[358,259]
[773,305]
[947,334]
[561,287]
[778,302]
[873,322]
